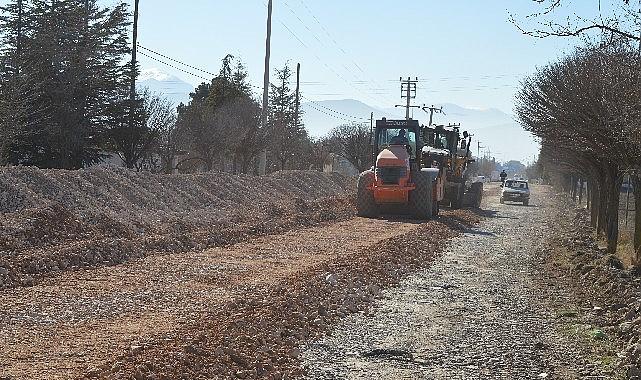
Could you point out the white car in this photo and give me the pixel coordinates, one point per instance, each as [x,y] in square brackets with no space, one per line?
[515,190]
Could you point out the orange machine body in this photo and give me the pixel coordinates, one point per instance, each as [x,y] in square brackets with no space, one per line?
[393,182]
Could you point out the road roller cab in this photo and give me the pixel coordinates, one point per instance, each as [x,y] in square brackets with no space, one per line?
[398,182]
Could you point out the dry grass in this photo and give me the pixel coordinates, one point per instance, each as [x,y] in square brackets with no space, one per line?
[625,249]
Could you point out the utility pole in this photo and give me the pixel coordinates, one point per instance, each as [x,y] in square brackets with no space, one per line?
[297,105]
[132,89]
[19,38]
[262,159]
[371,134]
[408,92]
[432,111]
[478,150]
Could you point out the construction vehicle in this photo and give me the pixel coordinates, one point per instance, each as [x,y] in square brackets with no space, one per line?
[401,181]
[451,153]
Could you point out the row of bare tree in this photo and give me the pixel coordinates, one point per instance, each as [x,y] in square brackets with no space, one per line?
[586,110]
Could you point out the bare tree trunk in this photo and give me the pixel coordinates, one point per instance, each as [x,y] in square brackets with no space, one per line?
[588,189]
[594,204]
[614,191]
[603,201]
[580,191]
[636,182]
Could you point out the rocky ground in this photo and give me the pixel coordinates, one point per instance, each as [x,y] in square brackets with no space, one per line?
[240,310]
[610,293]
[490,307]
[55,221]
[299,287]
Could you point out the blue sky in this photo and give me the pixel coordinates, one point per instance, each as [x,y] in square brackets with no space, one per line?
[467,52]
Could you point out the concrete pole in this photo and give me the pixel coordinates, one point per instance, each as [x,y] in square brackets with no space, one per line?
[409,100]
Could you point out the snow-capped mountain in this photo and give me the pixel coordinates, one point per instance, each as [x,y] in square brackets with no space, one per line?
[157,81]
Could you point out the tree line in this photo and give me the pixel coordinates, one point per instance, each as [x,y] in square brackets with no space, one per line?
[586,109]
[65,75]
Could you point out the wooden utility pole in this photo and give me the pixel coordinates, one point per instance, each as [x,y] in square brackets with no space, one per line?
[132,89]
[262,160]
[297,103]
[19,37]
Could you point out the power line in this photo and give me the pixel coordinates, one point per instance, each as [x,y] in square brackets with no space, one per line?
[331,69]
[337,112]
[172,66]
[332,115]
[214,75]
[337,45]
[184,64]
[177,61]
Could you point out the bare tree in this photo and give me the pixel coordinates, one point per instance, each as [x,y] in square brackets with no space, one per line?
[550,20]
[577,109]
[154,117]
[353,143]
[161,118]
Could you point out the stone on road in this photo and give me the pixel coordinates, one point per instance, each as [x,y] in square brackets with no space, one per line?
[482,310]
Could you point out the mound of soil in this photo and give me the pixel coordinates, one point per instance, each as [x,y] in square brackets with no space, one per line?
[261,333]
[56,220]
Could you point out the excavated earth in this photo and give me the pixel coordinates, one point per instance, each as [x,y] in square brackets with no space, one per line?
[221,304]
[225,277]
[56,221]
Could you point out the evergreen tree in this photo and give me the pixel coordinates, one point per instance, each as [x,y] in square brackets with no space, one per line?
[19,110]
[286,133]
[74,51]
[220,124]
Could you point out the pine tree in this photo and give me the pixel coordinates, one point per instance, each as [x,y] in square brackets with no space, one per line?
[286,132]
[220,124]
[74,52]
[19,111]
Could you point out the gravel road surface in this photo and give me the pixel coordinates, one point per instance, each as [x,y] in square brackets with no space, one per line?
[483,310]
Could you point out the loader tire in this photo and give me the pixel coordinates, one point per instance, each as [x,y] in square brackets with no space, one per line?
[421,200]
[476,190]
[365,204]
[457,199]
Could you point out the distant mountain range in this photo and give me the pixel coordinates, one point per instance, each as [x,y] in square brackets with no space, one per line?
[497,131]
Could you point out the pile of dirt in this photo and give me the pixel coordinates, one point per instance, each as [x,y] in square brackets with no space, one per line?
[610,292]
[261,334]
[56,220]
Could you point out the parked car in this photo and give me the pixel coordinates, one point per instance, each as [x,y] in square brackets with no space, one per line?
[515,190]
[481,178]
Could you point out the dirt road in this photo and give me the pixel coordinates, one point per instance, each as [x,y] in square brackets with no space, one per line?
[484,310]
[78,322]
